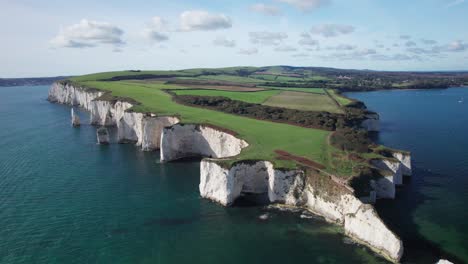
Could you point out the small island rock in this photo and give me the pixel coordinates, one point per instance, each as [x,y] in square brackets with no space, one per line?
[102,135]
[75,119]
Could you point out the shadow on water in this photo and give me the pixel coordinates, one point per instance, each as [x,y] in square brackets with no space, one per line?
[399,215]
[252,200]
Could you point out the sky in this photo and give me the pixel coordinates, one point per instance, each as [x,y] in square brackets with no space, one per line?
[53,38]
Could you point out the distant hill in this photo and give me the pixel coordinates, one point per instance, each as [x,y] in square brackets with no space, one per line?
[30,81]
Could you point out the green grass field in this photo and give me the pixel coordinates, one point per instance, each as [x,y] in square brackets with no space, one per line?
[306,90]
[264,137]
[265,77]
[230,78]
[288,79]
[343,101]
[303,101]
[250,97]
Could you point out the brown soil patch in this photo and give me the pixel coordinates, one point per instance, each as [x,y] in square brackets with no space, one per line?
[226,88]
[304,161]
[211,82]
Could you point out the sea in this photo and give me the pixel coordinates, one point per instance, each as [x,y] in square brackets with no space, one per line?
[65,199]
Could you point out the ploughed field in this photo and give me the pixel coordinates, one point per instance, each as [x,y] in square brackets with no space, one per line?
[157,92]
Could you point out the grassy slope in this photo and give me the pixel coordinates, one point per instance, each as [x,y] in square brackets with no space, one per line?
[264,137]
[298,89]
[107,75]
[303,101]
[226,78]
[250,97]
[340,99]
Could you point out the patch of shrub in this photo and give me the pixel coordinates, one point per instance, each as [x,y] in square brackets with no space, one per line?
[322,120]
[348,139]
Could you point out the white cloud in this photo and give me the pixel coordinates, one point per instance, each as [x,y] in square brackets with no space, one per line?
[405,37]
[267,38]
[342,47]
[410,44]
[394,57]
[307,40]
[306,5]
[432,51]
[457,46]
[355,55]
[455,3]
[300,55]
[88,34]
[154,31]
[265,9]
[365,52]
[202,20]
[249,51]
[285,48]
[332,30]
[224,42]
[428,41]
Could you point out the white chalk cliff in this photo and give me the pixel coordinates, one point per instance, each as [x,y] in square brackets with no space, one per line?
[75,119]
[189,140]
[292,188]
[143,130]
[224,182]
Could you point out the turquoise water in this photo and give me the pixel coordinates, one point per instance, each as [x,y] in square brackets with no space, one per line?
[64,199]
[430,212]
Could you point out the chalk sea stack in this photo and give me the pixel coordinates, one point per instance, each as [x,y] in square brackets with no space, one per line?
[102,136]
[75,119]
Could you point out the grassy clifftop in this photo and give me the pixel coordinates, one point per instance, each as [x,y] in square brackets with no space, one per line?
[303,145]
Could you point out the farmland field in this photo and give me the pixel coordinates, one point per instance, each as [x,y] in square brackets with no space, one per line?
[250,97]
[343,101]
[304,101]
[264,137]
[266,132]
[298,89]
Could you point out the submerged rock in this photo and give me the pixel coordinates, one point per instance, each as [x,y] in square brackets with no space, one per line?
[75,119]
[263,217]
[102,135]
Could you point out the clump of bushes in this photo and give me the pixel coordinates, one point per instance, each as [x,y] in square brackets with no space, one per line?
[348,139]
[322,120]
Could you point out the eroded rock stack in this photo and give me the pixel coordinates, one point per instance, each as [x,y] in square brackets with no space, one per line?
[102,136]
[75,119]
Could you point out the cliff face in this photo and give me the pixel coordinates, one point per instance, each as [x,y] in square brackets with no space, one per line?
[144,131]
[152,130]
[225,183]
[75,119]
[68,94]
[107,113]
[187,140]
[292,188]
[405,159]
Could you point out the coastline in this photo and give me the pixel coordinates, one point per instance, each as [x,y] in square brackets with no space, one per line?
[403,120]
[316,206]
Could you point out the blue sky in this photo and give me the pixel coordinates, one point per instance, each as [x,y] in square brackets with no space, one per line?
[47,38]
